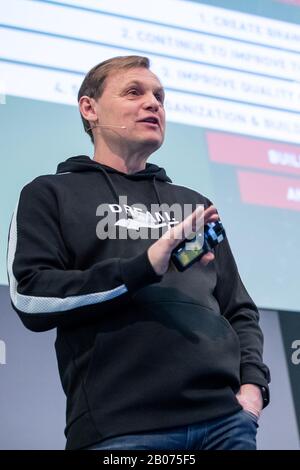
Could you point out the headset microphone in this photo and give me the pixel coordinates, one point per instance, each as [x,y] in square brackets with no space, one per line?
[106,125]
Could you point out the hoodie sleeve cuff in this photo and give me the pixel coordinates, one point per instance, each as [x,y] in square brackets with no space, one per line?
[250,374]
[138,272]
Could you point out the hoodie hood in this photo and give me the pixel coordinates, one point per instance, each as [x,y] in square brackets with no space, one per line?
[83,163]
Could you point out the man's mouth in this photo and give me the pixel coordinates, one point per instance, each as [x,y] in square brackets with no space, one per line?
[151,120]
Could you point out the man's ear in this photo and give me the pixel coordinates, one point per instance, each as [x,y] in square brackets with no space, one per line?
[87,108]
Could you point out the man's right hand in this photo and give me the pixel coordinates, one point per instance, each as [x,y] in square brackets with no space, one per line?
[159,253]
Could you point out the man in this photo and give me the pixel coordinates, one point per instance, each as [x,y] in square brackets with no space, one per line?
[149,357]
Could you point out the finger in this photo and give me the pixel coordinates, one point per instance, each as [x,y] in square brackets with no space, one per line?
[210,212]
[207,258]
[209,215]
[193,223]
[183,230]
[212,218]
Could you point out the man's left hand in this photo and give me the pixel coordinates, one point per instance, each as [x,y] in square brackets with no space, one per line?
[249,397]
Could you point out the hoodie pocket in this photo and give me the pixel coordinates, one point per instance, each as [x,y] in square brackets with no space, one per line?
[162,352]
[202,339]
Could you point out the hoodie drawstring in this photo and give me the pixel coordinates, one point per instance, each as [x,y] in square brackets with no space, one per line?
[115,194]
[156,190]
[113,189]
[110,184]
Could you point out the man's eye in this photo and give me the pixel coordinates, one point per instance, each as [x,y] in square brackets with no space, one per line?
[159,98]
[133,91]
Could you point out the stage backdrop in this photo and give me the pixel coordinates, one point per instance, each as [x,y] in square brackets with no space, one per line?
[231,71]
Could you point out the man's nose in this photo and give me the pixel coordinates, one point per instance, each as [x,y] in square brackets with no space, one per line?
[151,102]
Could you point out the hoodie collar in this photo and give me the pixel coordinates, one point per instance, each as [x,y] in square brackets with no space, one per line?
[82,163]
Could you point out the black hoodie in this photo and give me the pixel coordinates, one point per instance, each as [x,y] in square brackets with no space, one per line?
[136,351]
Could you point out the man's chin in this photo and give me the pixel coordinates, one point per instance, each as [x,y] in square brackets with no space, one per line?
[145,145]
[152,144]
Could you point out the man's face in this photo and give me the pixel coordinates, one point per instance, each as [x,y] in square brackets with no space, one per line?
[132,98]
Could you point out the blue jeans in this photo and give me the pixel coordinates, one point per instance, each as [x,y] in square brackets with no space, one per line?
[233,432]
